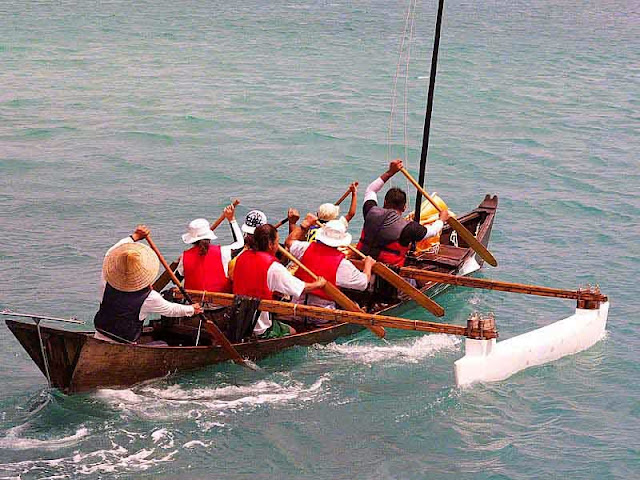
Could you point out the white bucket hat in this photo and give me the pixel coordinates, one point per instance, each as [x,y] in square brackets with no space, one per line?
[328,211]
[334,234]
[130,267]
[198,229]
[254,219]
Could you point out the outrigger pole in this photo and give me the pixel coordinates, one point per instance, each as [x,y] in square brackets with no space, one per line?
[427,118]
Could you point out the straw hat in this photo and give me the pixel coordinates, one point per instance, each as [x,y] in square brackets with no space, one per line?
[328,211]
[334,234]
[130,267]
[254,219]
[198,229]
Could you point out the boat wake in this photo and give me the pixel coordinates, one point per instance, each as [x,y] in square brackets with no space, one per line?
[408,351]
[177,401]
[14,441]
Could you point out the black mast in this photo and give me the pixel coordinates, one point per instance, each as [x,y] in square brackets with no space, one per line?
[427,118]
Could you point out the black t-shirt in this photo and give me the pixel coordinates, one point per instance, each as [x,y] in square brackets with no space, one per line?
[412,232]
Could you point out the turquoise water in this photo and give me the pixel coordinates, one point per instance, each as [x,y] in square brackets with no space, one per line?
[114,113]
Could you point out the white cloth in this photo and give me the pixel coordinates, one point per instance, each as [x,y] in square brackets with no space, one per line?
[347,276]
[154,303]
[372,190]
[279,279]
[225,250]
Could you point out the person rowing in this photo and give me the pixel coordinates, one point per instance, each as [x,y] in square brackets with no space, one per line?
[386,235]
[128,270]
[324,258]
[253,220]
[331,211]
[205,266]
[259,274]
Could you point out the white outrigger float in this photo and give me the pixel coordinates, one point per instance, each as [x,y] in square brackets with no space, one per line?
[490,361]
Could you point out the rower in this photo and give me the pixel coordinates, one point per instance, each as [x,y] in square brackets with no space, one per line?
[254,219]
[323,257]
[386,235]
[204,266]
[331,211]
[258,274]
[128,270]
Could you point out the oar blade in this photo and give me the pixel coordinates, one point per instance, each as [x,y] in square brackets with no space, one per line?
[472,241]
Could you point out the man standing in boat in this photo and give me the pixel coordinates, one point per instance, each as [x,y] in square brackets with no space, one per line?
[205,266]
[324,258]
[386,235]
[128,270]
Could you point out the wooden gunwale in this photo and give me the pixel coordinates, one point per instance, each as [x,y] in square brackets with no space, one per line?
[80,363]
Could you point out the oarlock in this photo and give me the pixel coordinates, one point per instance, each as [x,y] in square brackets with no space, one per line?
[481,327]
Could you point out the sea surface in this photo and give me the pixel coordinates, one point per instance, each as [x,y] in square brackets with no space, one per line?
[114,113]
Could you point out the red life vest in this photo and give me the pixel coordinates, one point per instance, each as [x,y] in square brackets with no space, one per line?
[323,261]
[380,235]
[250,274]
[205,272]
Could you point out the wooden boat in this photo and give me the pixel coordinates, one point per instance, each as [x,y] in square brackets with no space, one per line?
[75,361]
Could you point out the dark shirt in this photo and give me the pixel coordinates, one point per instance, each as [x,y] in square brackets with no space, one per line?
[412,232]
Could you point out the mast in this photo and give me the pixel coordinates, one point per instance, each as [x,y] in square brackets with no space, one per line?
[427,118]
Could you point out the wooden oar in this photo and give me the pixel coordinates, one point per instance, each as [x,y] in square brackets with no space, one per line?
[332,291]
[466,235]
[487,284]
[333,315]
[340,200]
[211,327]
[344,196]
[163,279]
[401,284]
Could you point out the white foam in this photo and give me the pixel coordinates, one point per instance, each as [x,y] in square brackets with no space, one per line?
[195,443]
[409,351]
[15,442]
[167,403]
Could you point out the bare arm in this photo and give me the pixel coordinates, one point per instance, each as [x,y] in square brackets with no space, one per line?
[299,232]
[354,201]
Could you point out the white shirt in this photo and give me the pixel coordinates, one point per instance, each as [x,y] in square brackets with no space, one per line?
[279,279]
[154,303]
[371,194]
[347,276]
[225,250]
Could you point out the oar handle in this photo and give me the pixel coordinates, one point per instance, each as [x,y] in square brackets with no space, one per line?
[301,265]
[356,251]
[220,219]
[420,189]
[281,222]
[345,195]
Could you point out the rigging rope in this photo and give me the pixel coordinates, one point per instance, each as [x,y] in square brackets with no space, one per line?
[404,58]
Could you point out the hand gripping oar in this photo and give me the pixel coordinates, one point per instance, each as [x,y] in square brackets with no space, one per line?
[163,279]
[401,284]
[466,235]
[334,292]
[211,327]
[340,200]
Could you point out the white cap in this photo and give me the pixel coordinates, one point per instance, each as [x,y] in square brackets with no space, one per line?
[254,219]
[328,211]
[198,229]
[334,233]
